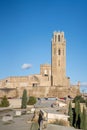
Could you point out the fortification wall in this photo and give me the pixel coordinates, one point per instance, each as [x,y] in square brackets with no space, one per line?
[42,91]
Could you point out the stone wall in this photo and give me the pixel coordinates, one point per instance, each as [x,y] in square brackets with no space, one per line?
[42,91]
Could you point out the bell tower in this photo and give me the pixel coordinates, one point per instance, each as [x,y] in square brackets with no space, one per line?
[58,59]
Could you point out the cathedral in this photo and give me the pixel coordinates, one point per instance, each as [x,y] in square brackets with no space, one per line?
[52,80]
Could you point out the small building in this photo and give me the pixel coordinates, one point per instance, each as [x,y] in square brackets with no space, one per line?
[59,104]
[51,116]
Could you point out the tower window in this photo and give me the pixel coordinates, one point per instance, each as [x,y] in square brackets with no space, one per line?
[59,52]
[6,80]
[34,84]
[58,38]
[45,73]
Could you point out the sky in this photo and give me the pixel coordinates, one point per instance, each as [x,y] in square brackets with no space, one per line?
[26,29]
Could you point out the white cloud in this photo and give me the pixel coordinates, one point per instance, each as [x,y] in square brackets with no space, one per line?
[26,66]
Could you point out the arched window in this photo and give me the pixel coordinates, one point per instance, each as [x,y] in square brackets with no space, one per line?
[45,73]
[59,52]
[58,38]
[6,80]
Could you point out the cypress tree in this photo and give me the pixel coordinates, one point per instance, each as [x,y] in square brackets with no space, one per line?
[84,119]
[81,124]
[70,113]
[24,99]
[86,102]
[77,114]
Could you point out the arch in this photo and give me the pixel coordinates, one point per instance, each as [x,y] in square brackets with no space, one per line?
[58,38]
[59,51]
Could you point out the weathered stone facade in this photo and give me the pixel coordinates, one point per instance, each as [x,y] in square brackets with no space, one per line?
[51,81]
[59,60]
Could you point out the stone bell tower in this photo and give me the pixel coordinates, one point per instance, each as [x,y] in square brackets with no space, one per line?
[58,60]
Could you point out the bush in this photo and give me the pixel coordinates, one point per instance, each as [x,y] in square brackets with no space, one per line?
[79,98]
[31,101]
[4,102]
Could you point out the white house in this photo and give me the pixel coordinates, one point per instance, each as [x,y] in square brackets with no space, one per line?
[52,116]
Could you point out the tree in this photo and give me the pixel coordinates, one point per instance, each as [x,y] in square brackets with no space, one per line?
[70,113]
[86,102]
[31,101]
[85,122]
[79,98]
[77,114]
[24,99]
[81,124]
[4,102]
[84,119]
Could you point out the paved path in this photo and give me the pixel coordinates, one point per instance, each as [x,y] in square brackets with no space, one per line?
[57,127]
[18,123]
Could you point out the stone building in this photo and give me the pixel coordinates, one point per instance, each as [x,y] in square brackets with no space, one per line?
[58,65]
[51,81]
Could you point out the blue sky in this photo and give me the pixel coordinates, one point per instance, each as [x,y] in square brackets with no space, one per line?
[26,28]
